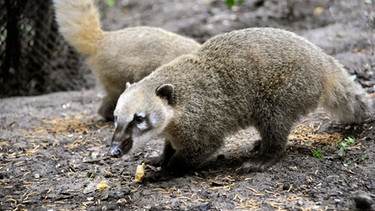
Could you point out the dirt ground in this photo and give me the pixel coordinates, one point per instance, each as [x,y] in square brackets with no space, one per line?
[53,147]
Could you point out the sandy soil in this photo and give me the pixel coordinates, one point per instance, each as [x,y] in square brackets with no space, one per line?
[53,147]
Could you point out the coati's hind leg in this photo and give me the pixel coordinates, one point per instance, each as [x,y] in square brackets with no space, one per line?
[274,131]
[107,107]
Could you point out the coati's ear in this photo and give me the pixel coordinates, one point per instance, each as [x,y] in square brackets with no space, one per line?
[127,85]
[165,91]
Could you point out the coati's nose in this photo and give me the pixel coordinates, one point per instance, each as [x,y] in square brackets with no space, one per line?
[115,152]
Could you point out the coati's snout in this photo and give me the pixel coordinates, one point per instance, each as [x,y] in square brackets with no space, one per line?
[121,143]
[115,151]
[118,149]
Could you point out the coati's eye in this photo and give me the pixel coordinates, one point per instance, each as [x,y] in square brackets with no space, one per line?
[138,118]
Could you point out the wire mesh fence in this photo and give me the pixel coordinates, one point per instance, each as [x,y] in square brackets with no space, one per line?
[34,57]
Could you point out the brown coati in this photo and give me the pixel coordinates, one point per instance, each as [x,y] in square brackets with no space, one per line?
[116,57]
[262,77]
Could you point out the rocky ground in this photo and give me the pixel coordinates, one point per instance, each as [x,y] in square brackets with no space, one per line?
[53,147]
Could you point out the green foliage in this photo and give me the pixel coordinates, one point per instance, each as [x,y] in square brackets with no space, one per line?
[317,153]
[350,140]
[342,152]
[90,177]
[363,158]
[231,3]
[339,35]
[343,146]
[111,3]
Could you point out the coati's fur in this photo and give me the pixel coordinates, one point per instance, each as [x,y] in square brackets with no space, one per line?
[262,77]
[117,57]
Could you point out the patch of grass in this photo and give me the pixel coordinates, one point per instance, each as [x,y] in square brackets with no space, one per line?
[317,153]
[363,158]
[111,3]
[90,177]
[343,146]
[231,3]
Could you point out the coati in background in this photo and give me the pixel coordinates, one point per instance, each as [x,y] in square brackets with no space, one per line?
[117,57]
[262,77]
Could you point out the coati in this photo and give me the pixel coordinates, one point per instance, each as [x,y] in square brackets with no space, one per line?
[262,77]
[116,57]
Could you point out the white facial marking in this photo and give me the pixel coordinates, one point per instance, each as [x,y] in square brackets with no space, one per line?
[141,114]
[154,119]
[142,126]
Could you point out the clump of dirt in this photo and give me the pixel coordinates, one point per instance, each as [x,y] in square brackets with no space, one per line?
[53,147]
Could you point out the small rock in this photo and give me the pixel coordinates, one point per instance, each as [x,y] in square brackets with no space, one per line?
[156,208]
[122,201]
[370,185]
[146,192]
[336,193]
[206,207]
[217,184]
[286,186]
[119,194]
[363,200]
[91,187]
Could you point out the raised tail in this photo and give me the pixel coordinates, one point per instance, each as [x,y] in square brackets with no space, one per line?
[79,23]
[345,98]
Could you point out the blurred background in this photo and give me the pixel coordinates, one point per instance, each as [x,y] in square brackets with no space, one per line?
[35,59]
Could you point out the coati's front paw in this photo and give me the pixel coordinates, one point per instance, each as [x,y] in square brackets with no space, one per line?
[258,164]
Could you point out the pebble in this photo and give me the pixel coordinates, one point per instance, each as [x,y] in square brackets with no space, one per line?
[121,201]
[119,194]
[205,207]
[286,186]
[217,184]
